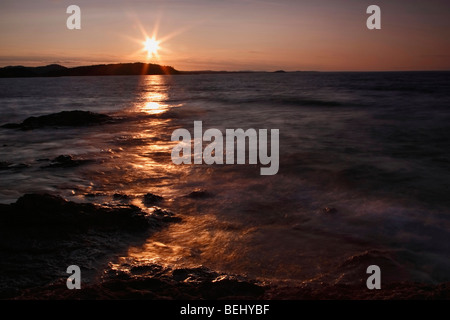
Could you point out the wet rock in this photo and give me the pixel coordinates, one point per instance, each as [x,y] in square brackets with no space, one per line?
[199,273]
[199,194]
[149,269]
[63,158]
[151,281]
[162,286]
[156,282]
[121,196]
[151,199]
[66,161]
[51,212]
[74,118]
[8,165]
[5,165]
[94,195]
[42,234]
[165,215]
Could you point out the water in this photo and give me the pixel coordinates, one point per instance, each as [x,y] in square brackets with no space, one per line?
[373,146]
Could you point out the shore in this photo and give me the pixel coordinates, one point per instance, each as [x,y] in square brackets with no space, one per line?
[41,232]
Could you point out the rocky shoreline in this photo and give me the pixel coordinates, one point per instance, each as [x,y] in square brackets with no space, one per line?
[41,233]
[154,282]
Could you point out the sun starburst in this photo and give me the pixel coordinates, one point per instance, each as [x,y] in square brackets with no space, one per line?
[151,46]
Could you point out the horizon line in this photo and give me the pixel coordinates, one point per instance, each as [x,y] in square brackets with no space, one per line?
[229,71]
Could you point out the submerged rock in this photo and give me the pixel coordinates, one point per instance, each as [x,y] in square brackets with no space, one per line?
[74,118]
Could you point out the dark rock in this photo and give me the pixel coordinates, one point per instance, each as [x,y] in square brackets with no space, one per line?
[199,273]
[165,216]
[63,158]
[226,287]
[8,165]
[152,269]
[74,118]
[5,165]
[66,161]
[42,234]
[51,212]
[120,196]
[11,126]
[93,195]
[199,194]
[156,282]
[151,199]
[230,288]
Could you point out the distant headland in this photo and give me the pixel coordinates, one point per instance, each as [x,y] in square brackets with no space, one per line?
[56,70]
[118,69]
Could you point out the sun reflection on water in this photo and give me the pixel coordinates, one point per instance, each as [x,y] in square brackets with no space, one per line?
[154,95]
[140,163]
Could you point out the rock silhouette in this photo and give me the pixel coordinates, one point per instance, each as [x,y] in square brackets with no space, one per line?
[76,118]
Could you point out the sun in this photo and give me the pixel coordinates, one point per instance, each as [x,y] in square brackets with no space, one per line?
[151,46]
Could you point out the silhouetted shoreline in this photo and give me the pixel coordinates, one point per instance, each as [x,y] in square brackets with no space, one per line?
[139,68]
[118,69]
[56,70]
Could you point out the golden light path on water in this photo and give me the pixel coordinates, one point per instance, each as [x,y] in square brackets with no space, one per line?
[239,229]
[143,164]
[152,101]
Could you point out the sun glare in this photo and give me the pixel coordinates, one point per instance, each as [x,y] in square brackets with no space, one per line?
[151,46]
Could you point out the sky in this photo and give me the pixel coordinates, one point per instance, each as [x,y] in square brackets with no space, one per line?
[321,35]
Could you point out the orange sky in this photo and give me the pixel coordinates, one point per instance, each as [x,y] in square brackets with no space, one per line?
[324,35]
